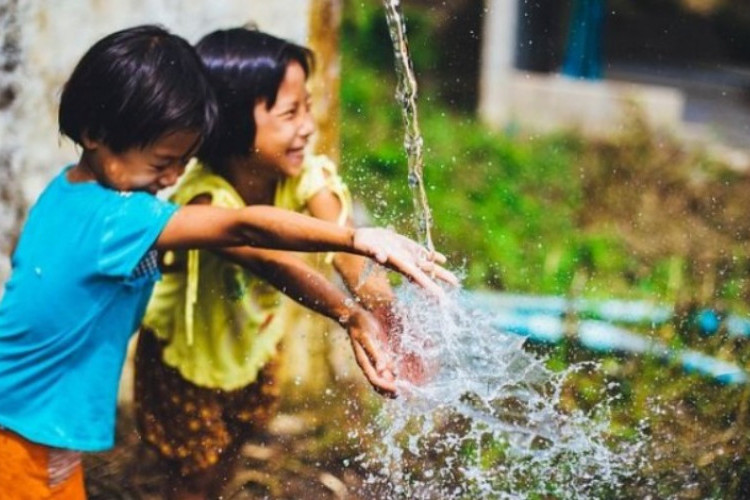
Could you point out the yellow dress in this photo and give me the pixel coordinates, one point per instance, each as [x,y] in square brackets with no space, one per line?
[218,321]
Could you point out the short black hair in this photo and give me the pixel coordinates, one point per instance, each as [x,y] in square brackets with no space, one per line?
[245,66]
[134,86]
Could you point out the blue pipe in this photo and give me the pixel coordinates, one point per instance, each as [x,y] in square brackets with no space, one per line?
[540,319]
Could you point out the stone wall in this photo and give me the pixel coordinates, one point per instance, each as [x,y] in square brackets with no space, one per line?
[12,204]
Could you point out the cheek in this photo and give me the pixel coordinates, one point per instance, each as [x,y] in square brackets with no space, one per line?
[261,143]
[271,140]
[143,177]
[286,133]
[118,174]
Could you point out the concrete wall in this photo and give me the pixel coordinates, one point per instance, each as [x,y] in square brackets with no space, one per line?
[547,101]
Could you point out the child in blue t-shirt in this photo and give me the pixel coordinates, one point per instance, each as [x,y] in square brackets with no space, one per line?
[139,105]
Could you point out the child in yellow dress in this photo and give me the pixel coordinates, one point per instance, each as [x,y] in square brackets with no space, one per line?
[205,360]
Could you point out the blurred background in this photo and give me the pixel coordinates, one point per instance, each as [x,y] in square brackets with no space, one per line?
[590,156]
[585,160]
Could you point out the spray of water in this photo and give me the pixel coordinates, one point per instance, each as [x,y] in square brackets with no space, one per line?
[484,418]
[488,421]
[406,95]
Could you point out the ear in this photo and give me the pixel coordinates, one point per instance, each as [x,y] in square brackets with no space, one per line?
[88,142]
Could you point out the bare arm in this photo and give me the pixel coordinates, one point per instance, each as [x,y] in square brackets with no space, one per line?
[374,291]
[205,226]
[201,226]
[311,289]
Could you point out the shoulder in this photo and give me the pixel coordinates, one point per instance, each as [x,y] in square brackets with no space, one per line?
[318,172]
[319,164]
[198,180]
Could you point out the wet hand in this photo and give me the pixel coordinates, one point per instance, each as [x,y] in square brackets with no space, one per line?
[405,256]
[410,364]
[368,342]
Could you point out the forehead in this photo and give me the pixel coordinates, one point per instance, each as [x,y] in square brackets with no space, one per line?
[294,81]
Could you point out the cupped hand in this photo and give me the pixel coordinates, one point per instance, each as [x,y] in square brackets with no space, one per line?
[367,337]
[405,256]
[410,365]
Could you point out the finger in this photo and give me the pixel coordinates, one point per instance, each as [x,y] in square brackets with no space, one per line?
[374,354]
[439,272]
[381,255]
[413,273]
[428,261]
[384,385]
[437,257]
[421,252]
[446,276]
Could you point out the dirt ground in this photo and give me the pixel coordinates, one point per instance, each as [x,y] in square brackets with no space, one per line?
[288,462]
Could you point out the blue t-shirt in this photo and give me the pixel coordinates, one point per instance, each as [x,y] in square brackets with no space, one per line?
[82,274]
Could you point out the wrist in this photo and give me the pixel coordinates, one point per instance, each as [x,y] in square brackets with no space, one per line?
[350,314]
[352,238]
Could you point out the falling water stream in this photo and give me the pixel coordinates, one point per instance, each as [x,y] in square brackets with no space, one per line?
[488,420]
[406,95]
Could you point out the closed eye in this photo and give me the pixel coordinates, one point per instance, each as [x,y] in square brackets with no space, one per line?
[165,163]
[288,113]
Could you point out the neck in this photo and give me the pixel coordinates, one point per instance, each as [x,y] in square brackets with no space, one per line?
[254,183]
[83,171]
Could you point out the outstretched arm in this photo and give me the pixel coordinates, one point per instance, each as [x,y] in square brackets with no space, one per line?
[311,289]
[201,226]
[369,284]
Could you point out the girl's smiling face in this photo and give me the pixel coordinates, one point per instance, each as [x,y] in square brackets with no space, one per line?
[283,131]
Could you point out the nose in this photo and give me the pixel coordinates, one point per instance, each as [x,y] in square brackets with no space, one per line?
[307,127]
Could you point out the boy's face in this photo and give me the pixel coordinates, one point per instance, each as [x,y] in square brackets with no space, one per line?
[150,169]
[283,131]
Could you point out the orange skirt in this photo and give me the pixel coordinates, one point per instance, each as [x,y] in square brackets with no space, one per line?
[32,471]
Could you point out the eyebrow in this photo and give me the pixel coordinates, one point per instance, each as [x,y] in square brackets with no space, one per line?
[286,107]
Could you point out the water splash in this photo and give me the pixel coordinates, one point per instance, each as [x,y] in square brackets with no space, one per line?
[489,422]
[406,95]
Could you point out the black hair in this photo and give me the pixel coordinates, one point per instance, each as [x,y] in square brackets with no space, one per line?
[245,66]
[134,86]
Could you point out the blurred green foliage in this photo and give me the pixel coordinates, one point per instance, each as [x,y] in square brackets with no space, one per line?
[633,216]
[554,214]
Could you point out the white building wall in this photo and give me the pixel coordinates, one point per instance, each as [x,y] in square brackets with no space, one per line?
[547,102]
[499,35]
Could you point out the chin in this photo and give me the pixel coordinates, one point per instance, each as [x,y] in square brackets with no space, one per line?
[293,169]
